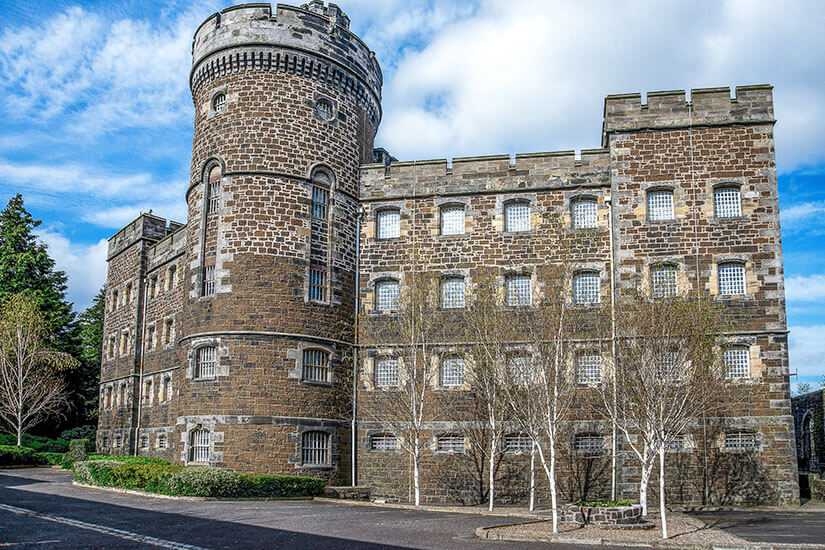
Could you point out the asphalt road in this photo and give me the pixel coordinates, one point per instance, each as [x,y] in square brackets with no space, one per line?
[40,509]
[770,526]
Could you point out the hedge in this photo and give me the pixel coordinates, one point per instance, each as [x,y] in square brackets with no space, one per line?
[11,455]
[37,443]
[197,481]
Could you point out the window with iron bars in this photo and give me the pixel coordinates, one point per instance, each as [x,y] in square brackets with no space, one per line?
[450,443]
[588,443]
[205,364]
[660,206]
[740,440]
[214,203]
[731,279]
[517,217]
[315,449]
[518,290]
[384,442]
[589,368]
[584,214]
[676,444]
[586,288]
[521,370]
[452,293]
[726,202]
[386,371]
[514,443]
[664,281]
[386,295]
[320,202]
[200,445]
[162,441]
[452,371]
[737,362]
[317,285]
[316,365]
[208,280]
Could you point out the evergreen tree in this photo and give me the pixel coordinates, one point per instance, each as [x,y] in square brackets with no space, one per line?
[86,377]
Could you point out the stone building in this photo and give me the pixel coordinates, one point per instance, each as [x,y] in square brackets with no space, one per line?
[809,421]
[229,339]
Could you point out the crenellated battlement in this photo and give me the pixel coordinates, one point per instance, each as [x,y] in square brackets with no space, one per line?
[484,174]
[313,40]
[670,109]
[144,227]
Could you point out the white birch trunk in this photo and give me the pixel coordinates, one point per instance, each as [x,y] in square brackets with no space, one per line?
[662,509]
[532,476]
[643,484]
[492,469]
[550,472]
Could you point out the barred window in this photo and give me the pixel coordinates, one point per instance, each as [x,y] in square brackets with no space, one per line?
[219,102]
[584,214]
[386,295]
[452,371]
[660,205]
[166,389]
[316,365]
[737,362]
[317,284]
[162,441]
[518,290]
[214,203]
[199,442]
[520,368]
[676,444]
[208,280]
[588,443]
[320,202]
[586,288]
[452,293]
[514,443]
[324,109]
[205,364]
[726,202]
[740,440]
[386,371]
[450,443]
[389,224]
[517,217]
[315,449]
[731,278]
[384,442]
[144,442]
[150,338]
[669,365]
[118,441]
[664,281]
[452,220]
[589,368]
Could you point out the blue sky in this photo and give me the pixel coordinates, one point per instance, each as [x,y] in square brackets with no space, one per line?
[96,116]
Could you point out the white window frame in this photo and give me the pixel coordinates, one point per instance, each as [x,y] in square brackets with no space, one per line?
[384,442]
[517,216]
[589,368]
[386,372]
[516,443]
[453,219]
[741,440]
[737,362]
[732,279]
[584,213]
[452,292]
[388,223]
[519,290]
[452,371]
[199,440]
[206,362]
[727,202]
[660,205]
[586,288]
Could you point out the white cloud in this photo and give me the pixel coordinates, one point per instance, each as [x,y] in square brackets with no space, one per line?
[806,348]
[85,265]
[799,216]
[119,216]
[800,288]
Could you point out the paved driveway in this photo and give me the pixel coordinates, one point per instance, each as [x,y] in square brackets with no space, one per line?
[770,526]
[40,509]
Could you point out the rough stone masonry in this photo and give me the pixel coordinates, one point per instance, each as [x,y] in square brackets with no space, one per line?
[229,340]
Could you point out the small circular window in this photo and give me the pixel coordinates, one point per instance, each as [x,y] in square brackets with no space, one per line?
[323,108]
[219,103]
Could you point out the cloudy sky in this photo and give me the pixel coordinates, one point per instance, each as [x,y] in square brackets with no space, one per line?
[96,115]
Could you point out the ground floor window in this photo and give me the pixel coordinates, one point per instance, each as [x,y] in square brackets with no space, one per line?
[315,449]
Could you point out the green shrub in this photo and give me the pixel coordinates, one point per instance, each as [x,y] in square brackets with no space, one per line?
[129,458]
[94,472]
[12,455]
[603,503]
[202,481]
[54,459]
[77,452]
[36,443]
[273,486]
[82,432]
[145,477]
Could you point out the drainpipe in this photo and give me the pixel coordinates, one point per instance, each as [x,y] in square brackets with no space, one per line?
[354,436]
[145,285]
[615,450]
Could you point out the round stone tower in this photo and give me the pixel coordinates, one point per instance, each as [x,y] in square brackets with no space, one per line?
[287,105]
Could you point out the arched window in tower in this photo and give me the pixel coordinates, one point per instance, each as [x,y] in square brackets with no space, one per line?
[321,184]
[213,189]
[209,234]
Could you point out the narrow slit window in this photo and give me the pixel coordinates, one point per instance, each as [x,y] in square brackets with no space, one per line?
[317,285]
[320,202]
[209,280]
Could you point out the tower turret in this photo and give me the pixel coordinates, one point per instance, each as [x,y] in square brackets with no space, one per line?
[287,105]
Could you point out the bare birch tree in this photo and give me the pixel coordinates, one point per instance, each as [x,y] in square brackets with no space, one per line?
[668,371]
[31,389]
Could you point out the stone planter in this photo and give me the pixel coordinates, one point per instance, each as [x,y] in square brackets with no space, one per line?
[614,516]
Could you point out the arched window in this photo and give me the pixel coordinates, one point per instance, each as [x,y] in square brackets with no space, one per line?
[219,102]
[316,365]
[388,223]
[168,327]
[452,219]
[147,392]
[205,362]
[452,293]
[737,362]
[516,216]
[144,442]
[452,371]
[727,202]
[315,449]
[162,441]
[660,205]
[586,288]
[213,189]
[731,278]
[386,372]
[386,295]
[583,213]
[166,389]
[199,445]
[518,290]
[171,277]
[384,442]
[663,281]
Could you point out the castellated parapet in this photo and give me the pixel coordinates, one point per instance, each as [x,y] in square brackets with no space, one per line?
[230,341]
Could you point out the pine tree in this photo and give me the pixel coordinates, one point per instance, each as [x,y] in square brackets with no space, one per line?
[85,378]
